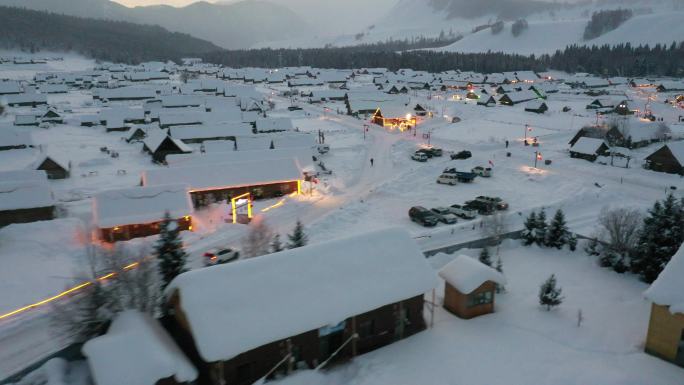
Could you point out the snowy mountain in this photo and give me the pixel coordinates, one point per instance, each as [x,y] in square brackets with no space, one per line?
[551,26]
[233,26]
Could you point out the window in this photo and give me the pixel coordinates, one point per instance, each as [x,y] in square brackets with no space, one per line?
[478,299]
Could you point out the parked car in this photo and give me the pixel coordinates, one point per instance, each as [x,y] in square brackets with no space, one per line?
[461,176]
[496,201]
[463,212]
[448,178]
[434,151]
[219,256]
[423,216]
[482,208]
[425,151]
[482,171]
[445,215]
[461,155]
[419,157]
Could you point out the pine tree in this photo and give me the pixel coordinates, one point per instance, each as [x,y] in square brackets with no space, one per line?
[485,258]
[530,226]
[540,228]
[169,251]
[661,237]
[276,245]
[558,234]
[550,294]
[298,238]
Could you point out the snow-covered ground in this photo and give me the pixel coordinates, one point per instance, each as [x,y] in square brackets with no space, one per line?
[39,260]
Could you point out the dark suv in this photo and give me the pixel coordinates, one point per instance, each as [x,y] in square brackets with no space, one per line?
[423,216]
[482,208]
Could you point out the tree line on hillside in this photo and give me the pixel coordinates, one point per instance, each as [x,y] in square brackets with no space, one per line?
[605,21]
[116,41]
[619,60]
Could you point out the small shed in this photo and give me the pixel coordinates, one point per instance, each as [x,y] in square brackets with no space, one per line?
[589,148]
[137,351]
[536,106]
[469,287]
[666,326]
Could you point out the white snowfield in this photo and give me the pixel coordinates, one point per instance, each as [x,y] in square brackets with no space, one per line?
[467,274]
[668,289]
[298,290]
[136,350]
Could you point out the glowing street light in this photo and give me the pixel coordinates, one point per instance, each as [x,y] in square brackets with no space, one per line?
[537,158]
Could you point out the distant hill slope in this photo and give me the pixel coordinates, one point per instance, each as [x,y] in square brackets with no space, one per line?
[233,26]
[99,39]
[546,36]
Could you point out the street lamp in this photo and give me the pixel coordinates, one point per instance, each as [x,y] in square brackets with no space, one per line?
[527,128]
[537,157]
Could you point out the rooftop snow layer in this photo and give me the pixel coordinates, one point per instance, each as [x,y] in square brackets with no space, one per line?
[216,176]
[668,289]
[25,195]
[136,351]
[467,274]
[265,299]
[140,205]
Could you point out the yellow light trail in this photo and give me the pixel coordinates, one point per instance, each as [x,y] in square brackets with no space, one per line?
[64,293]
[102,278]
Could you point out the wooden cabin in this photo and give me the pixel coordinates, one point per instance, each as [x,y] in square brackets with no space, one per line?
[536,106]
[668,158]
[210,183]
[143,351]
[54,167]
[589,149]
[326,302]
[24,201]
[121,215]
[665,338]
[469,287]
[159,144]
[394,117]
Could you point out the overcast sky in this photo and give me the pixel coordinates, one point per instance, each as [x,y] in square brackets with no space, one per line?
[350,16]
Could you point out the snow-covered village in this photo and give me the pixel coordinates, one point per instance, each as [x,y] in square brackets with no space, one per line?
[489,194]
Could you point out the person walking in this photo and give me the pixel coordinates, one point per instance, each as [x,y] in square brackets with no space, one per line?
[371,160]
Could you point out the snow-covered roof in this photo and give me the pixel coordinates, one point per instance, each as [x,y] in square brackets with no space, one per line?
[521,96]
[588,146]
[10,87]
[302,155]
[274,124]
[224,175]
[14,138]
[280,295]
[467,274]
[199,132]
[140,205]
[668,288]
[136,351]
[25,194]
[280,140]
[23,175]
